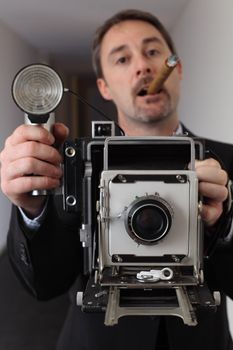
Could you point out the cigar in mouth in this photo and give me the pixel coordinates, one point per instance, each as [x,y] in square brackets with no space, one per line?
[157,83]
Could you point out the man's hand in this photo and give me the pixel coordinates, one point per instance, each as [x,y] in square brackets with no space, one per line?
[29,161]
[212,186]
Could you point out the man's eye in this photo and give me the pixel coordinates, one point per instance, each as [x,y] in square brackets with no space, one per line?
[121,60]
[152,52]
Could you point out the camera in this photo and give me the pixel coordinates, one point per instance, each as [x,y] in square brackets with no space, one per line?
[139,208]
[141,231]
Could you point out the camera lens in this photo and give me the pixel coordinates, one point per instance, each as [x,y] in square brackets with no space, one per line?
[148,219]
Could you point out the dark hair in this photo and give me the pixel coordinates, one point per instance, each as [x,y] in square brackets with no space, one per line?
[118,18]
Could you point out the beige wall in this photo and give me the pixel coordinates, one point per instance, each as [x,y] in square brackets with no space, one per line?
[14,54]
[204,39]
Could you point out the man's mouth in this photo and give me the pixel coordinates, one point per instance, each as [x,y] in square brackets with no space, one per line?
[144,92]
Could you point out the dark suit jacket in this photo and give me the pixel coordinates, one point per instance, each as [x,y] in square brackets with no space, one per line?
[49,262]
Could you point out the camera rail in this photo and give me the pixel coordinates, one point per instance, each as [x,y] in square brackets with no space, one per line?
[149,299]
[184,309]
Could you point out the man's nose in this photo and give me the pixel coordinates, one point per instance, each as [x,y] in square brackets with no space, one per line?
[143,67]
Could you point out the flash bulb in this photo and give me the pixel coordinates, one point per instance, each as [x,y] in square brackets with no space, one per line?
[37,89]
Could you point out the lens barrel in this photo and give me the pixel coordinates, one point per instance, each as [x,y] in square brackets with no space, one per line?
[148,219]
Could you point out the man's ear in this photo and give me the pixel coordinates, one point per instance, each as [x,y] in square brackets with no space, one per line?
[103,89]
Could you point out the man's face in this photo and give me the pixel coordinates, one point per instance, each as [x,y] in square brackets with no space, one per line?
[132,54]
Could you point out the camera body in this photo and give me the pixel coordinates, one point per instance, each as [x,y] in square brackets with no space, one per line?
[141,231]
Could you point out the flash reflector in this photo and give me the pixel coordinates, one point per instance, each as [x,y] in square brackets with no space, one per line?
[37,89]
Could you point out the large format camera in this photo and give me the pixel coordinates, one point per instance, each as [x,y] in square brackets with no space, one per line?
[138,203]
[141,231]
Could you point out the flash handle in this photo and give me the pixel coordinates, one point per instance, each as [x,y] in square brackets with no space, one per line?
[47,121]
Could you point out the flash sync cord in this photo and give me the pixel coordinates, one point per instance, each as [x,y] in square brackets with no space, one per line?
[83,100]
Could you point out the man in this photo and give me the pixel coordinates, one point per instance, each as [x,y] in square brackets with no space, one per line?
[129,51]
